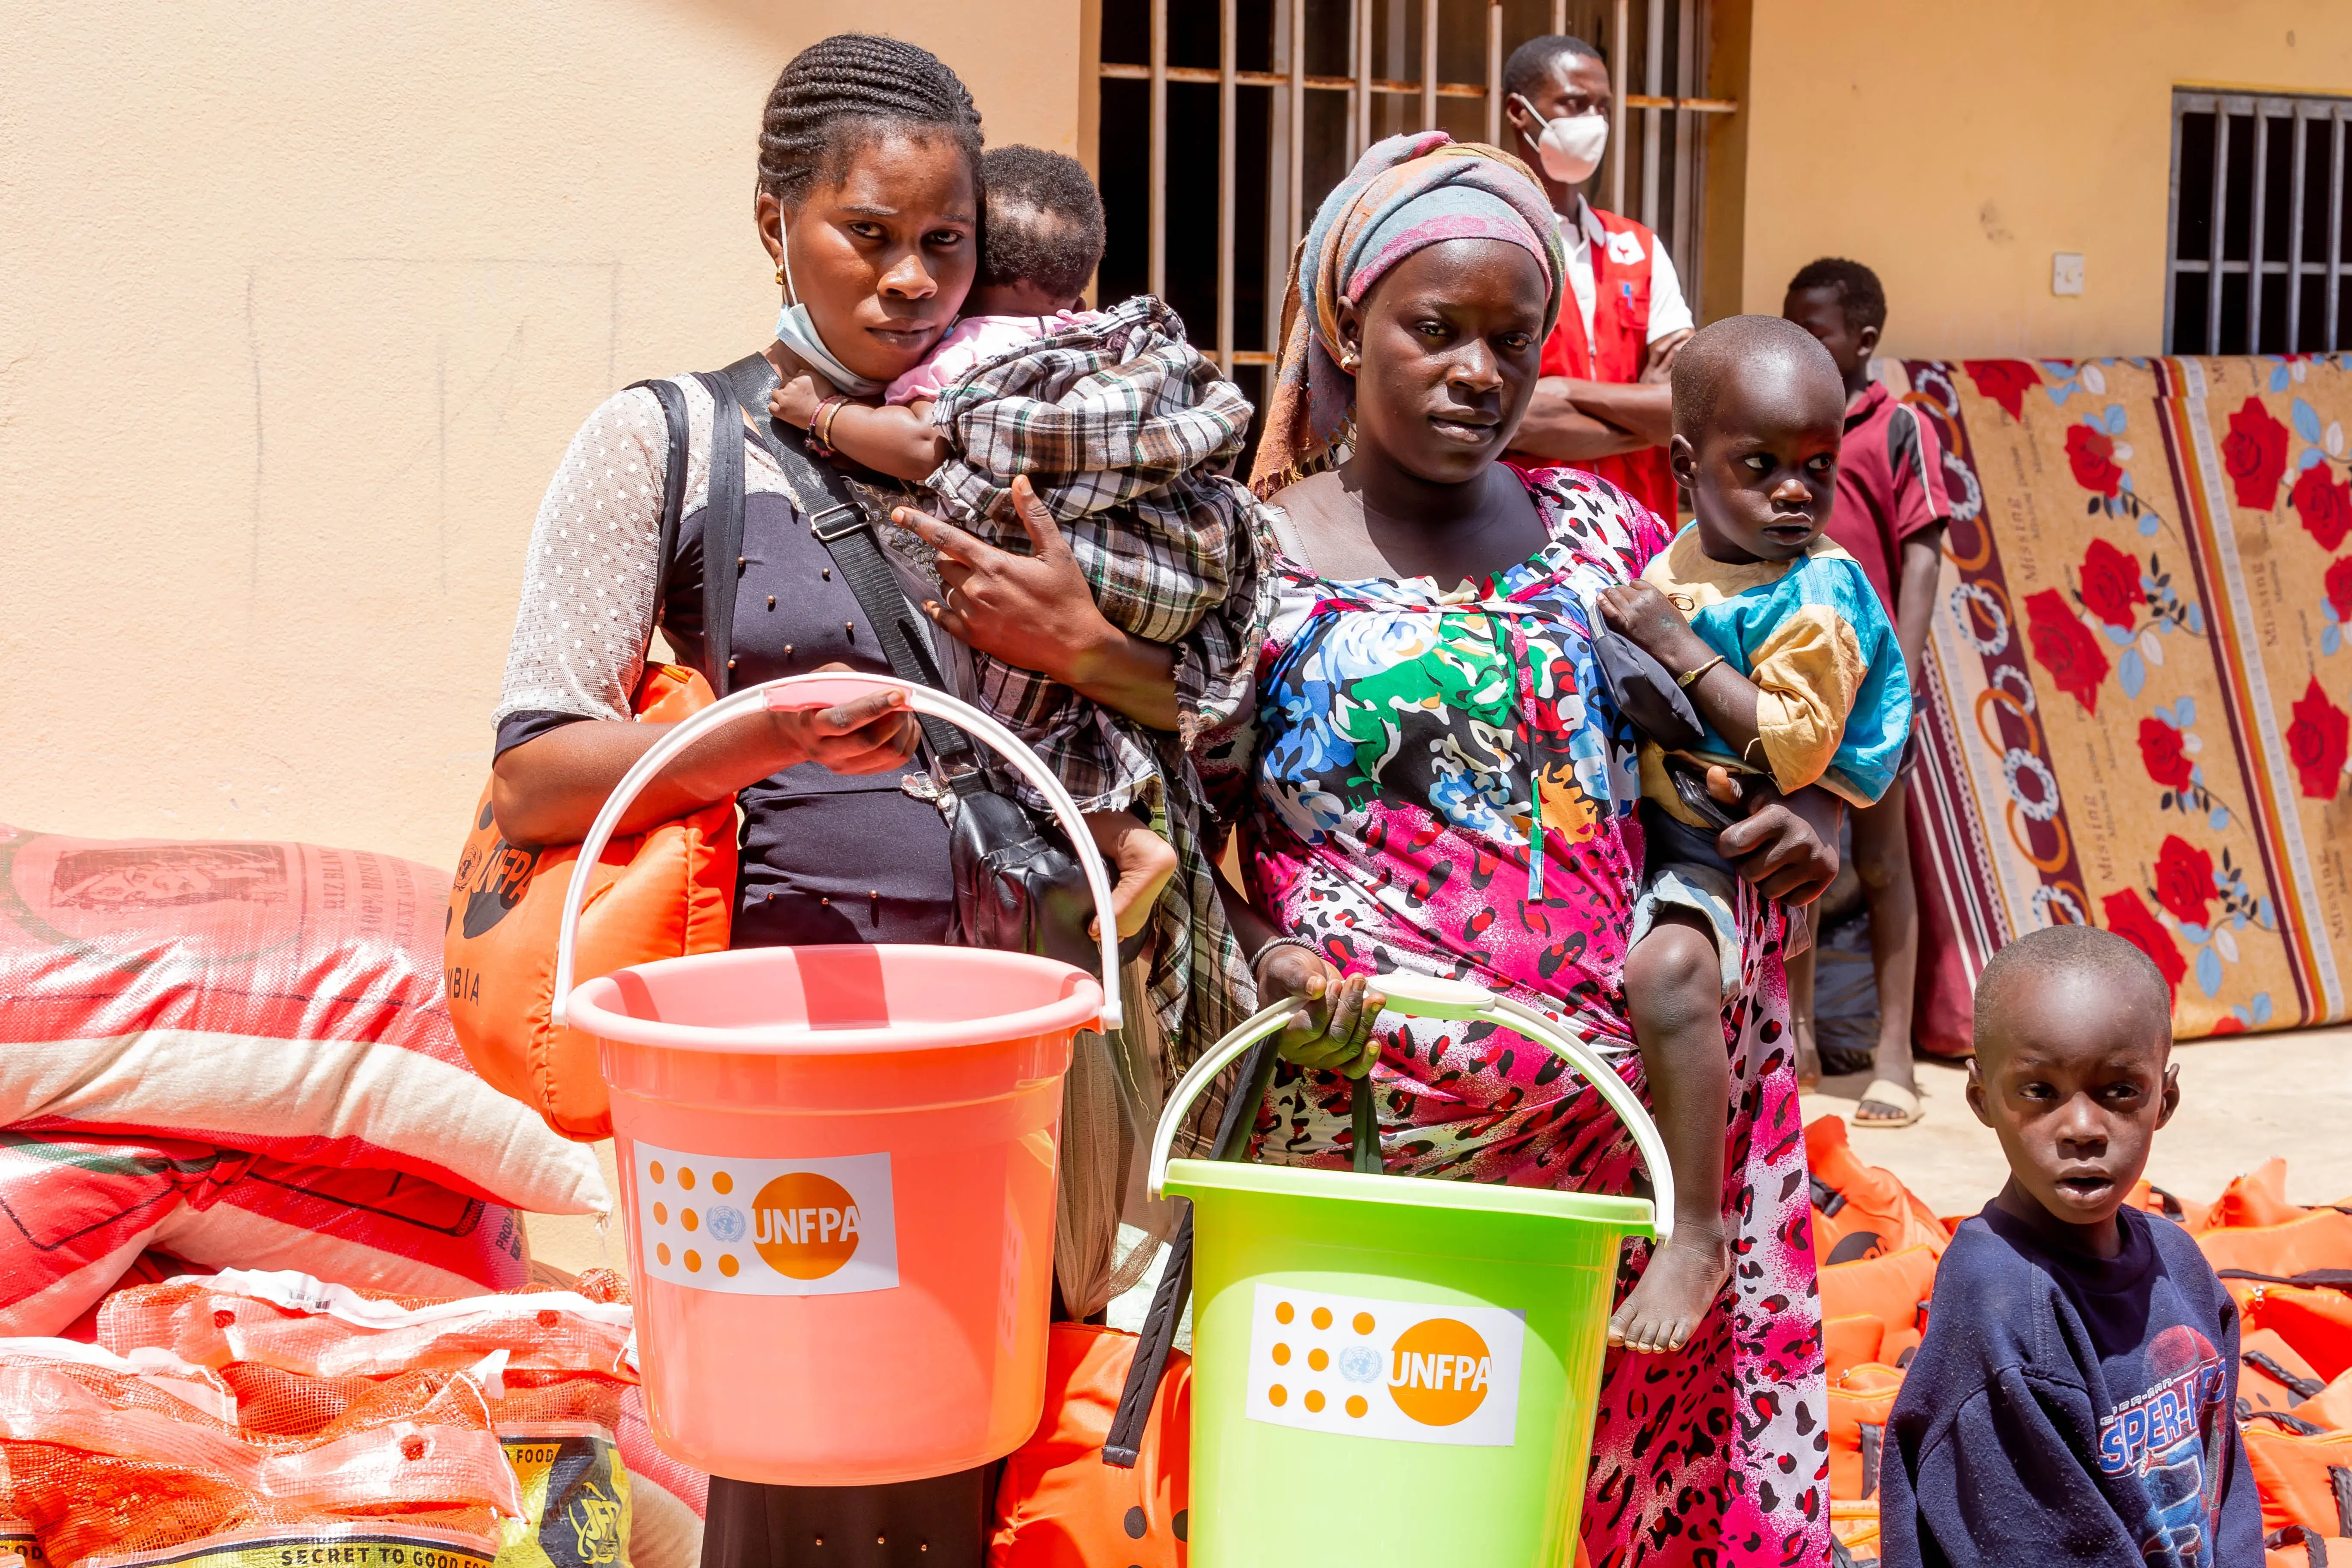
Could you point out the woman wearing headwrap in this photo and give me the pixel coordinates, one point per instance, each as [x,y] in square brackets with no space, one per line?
[1434,780]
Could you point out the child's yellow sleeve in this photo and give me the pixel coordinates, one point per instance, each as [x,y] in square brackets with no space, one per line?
[1807,673]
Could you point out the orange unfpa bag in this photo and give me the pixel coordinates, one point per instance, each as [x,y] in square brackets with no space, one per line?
[664,893]
[1851,1342]
[1060,1505]
[1853,1527]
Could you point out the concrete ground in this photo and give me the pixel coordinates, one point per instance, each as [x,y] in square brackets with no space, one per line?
[2243,1100]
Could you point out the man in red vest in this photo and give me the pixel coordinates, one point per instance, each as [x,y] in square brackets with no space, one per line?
[1602,404]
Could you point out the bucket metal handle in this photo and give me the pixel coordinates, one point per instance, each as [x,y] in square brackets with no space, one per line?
[1425,996]
[823,689]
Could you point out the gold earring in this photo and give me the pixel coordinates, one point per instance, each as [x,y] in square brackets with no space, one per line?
[1348,362]
[780,274]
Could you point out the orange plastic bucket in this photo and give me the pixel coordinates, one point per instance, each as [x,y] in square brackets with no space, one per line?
[837,1173]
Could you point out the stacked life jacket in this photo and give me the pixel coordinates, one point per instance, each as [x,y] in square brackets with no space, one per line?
[1621,337]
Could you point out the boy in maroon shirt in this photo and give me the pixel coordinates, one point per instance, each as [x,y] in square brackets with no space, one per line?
[1890,515]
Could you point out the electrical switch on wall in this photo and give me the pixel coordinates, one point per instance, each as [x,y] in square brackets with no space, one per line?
[2067,272]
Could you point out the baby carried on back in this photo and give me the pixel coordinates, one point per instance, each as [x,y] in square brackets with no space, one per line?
[1042,429]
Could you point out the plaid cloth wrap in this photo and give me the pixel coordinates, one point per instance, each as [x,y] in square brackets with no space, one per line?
[1125,431]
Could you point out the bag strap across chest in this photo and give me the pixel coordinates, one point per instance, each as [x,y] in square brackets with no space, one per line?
[840,523]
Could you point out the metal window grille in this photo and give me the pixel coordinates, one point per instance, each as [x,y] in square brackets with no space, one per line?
[2261,230]
[1210,173]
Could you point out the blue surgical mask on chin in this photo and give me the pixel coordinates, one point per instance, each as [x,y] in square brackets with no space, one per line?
[797,332]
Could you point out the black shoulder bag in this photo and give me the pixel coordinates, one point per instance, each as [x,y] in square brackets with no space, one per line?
[1019,888]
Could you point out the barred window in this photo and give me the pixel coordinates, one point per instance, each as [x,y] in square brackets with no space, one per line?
[1225,122]
[2260,233]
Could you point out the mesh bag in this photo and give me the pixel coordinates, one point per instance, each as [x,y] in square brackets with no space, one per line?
[293,1351]
[295,1323]
[110,1457]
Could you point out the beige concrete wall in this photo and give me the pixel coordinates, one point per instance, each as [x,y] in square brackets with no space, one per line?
[299,303]
[1954,147]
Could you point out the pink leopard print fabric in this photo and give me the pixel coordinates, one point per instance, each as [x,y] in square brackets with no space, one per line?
[1437,783]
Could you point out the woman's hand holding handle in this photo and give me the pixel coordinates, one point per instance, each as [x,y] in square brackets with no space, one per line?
[1332,1030]
[874,734]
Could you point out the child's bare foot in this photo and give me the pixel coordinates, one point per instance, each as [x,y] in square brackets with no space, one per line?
[1676,1292]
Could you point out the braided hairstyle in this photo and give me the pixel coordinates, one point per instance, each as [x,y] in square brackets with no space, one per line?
[841,91]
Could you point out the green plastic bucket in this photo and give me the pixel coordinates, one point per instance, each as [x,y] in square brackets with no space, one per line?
[1388,1370]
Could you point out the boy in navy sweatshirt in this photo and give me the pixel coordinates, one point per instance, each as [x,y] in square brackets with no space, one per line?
[2073,1399]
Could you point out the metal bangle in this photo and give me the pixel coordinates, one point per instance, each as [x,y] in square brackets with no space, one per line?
[820,422]
[1692,678]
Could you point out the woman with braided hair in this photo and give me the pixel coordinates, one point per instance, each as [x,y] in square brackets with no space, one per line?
[868,204]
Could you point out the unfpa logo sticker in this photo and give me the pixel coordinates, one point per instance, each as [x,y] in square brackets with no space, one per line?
[767,1227]
[1365,1367]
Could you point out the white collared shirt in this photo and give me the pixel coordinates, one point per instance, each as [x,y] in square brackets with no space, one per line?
[1669,312]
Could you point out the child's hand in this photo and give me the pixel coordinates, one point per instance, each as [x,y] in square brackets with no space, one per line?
[795,401]
[1143,862]
[1332,1032]
[1646,616]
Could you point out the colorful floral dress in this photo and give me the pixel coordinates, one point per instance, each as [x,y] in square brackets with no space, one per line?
[1436,781]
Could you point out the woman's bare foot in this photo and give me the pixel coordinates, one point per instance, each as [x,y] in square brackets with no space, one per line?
[1676,1292]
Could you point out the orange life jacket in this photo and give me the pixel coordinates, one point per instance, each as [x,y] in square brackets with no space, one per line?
[2331,1407]
[2247,1259]
[2154,1199]
[2272,1373]
[2256,1198]
[2304,1481]
[1859,1210]
[1860,1403]
[2317,1323]
[1894,1289]
[2296,1547]
[1059,1505]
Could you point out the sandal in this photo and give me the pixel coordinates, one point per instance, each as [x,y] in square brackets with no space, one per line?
[1884,1096]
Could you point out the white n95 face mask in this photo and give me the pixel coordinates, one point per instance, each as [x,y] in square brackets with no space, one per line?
[1572,145]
